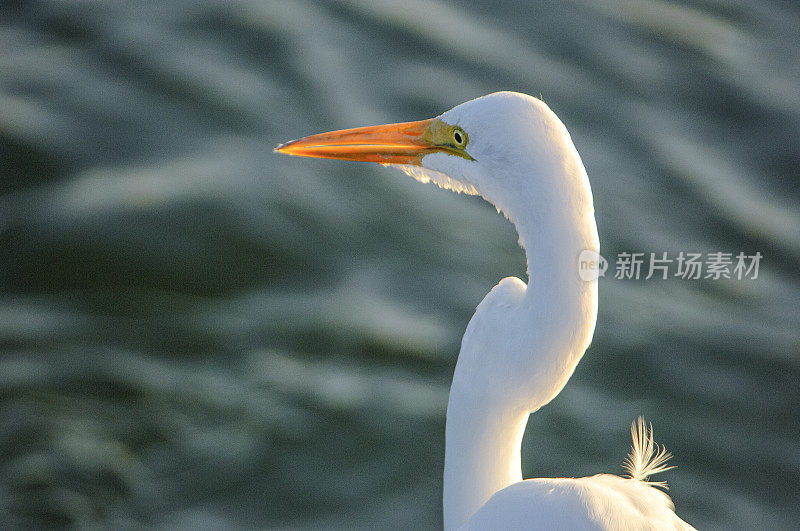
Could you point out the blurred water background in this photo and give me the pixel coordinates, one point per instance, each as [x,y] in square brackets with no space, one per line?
[198,333]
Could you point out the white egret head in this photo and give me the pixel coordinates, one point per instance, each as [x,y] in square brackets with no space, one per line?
[494,146]
[511,143]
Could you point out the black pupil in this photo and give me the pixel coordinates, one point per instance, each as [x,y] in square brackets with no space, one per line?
[457,136]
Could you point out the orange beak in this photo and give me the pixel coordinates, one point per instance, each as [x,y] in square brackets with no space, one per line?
[403,143]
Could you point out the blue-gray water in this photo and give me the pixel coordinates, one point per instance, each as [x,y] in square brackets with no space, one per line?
[196,331]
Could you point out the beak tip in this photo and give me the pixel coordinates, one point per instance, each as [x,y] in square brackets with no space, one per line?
[281,148]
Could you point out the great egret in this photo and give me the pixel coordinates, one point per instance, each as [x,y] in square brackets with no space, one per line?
[523,342]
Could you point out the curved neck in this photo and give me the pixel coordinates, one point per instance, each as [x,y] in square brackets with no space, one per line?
[482,452]
[553,321]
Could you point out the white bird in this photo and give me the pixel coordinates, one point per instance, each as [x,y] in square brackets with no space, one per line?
[524,341]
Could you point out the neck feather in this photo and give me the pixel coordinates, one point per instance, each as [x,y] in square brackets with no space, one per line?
[497,384]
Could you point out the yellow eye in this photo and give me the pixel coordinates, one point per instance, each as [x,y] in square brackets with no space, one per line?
[450,139]
[459,137]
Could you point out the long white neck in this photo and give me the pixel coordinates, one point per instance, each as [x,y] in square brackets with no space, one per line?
[495,388]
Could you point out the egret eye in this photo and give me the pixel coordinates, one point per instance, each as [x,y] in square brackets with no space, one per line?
[459,137]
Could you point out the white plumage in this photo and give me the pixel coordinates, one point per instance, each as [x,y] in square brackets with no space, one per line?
[524,341]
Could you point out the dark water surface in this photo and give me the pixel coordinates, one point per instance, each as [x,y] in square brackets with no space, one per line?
[195,331]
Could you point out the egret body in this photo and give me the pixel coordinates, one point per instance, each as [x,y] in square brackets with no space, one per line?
[524,341]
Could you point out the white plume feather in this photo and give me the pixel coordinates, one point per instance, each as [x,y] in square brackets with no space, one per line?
[646,457]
